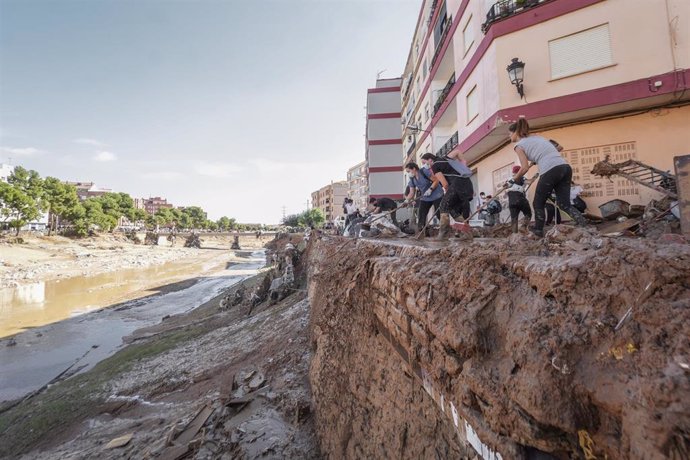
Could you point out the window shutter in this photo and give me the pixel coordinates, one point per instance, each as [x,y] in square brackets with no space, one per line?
[580,52]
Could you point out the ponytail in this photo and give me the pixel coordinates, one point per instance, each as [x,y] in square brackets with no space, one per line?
[521,127]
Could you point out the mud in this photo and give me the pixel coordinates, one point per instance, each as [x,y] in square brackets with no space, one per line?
[516,335]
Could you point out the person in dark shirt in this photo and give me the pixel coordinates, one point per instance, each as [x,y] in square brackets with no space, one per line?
[517,201]
[384,204]
[458,188]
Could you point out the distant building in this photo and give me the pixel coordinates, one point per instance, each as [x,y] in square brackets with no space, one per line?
[329,199]
[358,185]
[384,154]
[152,205]
[88,190]
[5,171]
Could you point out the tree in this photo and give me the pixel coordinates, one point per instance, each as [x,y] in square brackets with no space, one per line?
[59,200]
[197,216]
[95,215]
[312,217]
[291,220]
[211,225]
[18,207]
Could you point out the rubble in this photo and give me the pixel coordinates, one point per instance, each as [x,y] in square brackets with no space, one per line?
[193,241]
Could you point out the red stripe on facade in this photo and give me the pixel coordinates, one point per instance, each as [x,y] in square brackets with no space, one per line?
[376,116]
[381,169]
[506,26]
[395,196]
[615,94]
[389,89]
[385,142]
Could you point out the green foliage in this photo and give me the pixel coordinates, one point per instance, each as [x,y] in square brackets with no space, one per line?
[226,223]
[20,198]
[312,217]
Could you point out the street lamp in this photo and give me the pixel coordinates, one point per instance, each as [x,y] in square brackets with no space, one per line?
[516,72]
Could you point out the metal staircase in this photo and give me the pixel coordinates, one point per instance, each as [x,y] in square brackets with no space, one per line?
[656,179]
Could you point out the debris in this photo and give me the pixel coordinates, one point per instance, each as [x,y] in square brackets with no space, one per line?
[613,209]
[120,441]
[586,444]
[193,241]
[643,174]
[642,297]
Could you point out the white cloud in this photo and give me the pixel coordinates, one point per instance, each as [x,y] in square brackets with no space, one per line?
[21,151]
[216,169]
[87,141]
[161,175]
[104,156]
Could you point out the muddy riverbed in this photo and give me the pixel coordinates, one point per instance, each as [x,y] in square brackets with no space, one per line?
[75,323]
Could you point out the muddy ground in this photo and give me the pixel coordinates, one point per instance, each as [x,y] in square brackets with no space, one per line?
[43,258]
[519,335]
[249,365]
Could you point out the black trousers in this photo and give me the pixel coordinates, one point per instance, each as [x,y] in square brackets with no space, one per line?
[517,203]
[558,179]
[456,200]
[551,212]
[423,211]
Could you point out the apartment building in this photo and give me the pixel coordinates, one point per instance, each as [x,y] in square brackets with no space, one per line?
[329,199]
[357,185]
[602,77]
[152,204]
[383,140]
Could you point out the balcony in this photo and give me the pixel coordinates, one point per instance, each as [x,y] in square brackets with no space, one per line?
[444,33]
[444,94]
[448,146]
[506,8]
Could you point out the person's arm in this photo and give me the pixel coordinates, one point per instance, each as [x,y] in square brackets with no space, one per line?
[524,163]
[410,195]
[442,179]
[457,155]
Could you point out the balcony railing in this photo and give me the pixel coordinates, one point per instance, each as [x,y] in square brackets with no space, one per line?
[448,146]
[442,39]
[506,8]
[444,94]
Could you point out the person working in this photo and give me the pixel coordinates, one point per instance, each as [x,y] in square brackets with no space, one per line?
[517,201]
[457,186]
[555,173]
[383,204]
[431,193]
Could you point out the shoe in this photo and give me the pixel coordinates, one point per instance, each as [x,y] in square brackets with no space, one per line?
[514,226]
[537,232]
[444,228]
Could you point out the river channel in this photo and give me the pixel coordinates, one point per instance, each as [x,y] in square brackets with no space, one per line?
[64,321]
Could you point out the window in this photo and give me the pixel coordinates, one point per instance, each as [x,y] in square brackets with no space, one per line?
[468,35]
[424,69]
[426,112]
[581,52]
[441,24]
[472,104]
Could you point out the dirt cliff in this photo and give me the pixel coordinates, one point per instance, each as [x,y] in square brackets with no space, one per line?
[421,349]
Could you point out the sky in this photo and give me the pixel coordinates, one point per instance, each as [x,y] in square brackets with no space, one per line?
[242,107]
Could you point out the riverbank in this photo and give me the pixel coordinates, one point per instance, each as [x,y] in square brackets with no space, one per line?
[43,258]
[247,364]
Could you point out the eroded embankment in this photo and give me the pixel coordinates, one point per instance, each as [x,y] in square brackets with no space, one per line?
[516,344]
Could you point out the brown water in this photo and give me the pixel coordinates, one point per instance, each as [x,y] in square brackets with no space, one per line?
[71,329]
[44,302]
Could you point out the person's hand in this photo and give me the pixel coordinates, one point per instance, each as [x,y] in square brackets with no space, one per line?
[428,192]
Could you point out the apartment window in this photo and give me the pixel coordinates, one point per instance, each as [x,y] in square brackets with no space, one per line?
[468,35]
[581,52]
[426,112]
[472,104]
[425,69]
[441,25]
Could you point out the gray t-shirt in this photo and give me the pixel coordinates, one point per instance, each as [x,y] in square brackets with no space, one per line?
[542,152]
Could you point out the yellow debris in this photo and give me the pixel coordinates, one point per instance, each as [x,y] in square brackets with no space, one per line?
[586,444]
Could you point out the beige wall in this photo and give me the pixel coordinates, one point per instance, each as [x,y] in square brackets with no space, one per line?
[657,136]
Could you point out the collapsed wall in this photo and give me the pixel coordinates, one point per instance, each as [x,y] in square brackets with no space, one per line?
[422,350]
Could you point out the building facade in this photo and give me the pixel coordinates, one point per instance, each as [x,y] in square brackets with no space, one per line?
[329,199]
[384,153]
[152,204]
[358,185]
[602,77]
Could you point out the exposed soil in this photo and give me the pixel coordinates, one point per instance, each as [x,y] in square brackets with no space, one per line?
[249,368]
[518,334]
